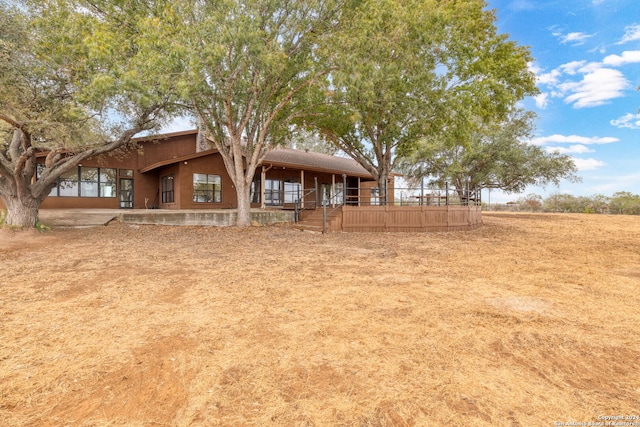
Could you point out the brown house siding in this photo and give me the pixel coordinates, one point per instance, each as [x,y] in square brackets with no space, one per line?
[175,154]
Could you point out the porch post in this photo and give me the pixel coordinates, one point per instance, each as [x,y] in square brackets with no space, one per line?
[302,188]
[315,179]
[359,195]
[446,193]
[263,177]
[386,192]
[333,190]
[344,188]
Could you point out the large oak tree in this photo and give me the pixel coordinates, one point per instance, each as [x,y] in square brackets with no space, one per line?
[77,81]
[249,66]
[495,155]
[413,69]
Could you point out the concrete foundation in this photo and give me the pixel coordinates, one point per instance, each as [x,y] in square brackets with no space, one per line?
[208,218]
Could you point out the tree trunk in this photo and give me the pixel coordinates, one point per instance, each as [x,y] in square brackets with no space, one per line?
[21,214]
[383,182]
[244,204]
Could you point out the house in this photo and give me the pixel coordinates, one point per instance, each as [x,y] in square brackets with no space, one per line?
[170,172]
[175,172]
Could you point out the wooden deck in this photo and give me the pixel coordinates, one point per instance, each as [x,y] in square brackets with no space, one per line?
[409,218]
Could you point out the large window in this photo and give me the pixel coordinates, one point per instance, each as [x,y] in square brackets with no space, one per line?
[167,189]
[88,182]
[207,188]
[83,181]
[107,183]
[292,190]
[68,184]
[272,192]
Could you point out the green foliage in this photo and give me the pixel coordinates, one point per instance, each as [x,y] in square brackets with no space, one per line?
[305,140]
[495,155]
[622,202]
[42,227]
[78,80]
[625,203]
[409,71]
[531,202]
[567,203]
[247,69]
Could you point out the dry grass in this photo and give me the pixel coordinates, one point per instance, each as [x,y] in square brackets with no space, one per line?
[529,320]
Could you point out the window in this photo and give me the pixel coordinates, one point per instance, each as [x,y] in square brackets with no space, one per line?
[292,190]
[325,191]
[88,182]
[272,192]
[68,184]
[39,168]
[340,196]
[126,173]
[107,182]
[83,181]
[207,188]
[167,189]
[375,196]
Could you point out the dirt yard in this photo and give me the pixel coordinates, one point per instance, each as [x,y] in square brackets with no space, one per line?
[532,320]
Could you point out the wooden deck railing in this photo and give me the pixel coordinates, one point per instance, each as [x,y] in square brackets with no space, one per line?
[363,210]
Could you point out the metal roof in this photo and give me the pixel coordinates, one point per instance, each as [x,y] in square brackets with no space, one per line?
[282,157]
[314,161]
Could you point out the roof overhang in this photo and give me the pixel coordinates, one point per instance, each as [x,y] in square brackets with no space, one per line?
[177,160]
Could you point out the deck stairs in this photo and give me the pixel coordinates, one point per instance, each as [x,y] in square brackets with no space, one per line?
[311,220]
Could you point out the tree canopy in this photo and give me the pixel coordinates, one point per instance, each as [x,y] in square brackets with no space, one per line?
[405,71]
[495,155]
[382,80]
[77,82]
[249,65]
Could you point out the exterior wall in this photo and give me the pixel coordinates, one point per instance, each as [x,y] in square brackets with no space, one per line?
[118,160]
[153,152]
[308,181]
[212,165]
[176,155]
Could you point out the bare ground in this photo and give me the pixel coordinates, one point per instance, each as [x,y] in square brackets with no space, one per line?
[530,320]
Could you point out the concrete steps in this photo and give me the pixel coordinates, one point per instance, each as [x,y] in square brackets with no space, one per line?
[312,220]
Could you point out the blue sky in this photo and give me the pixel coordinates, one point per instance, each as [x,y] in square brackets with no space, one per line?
[587,61]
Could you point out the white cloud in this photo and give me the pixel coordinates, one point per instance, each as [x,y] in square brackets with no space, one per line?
[627,57]
[587,164]
[573,139]
[597,87]
[542,100]
[619,183]
[549,78]
[574,38]
[520,5]
[585,84]
[631,121]
[572,67]
[631,33]
[572,149]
